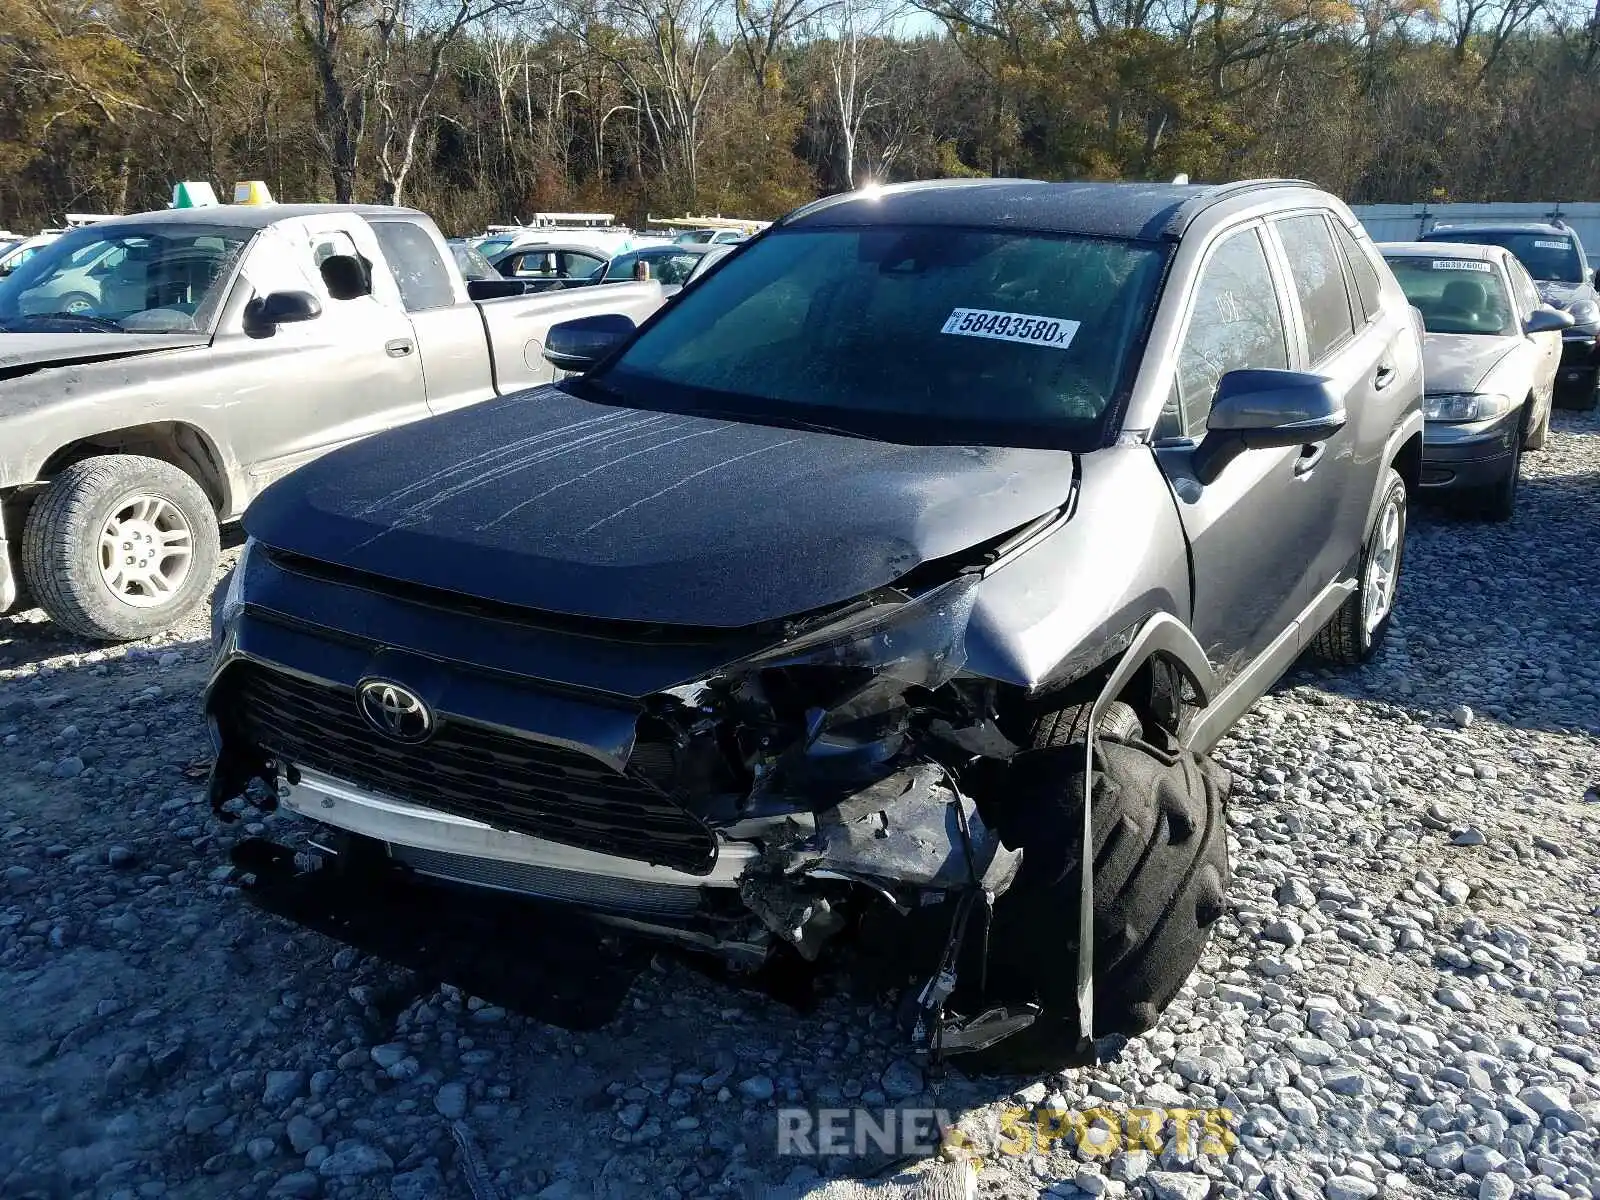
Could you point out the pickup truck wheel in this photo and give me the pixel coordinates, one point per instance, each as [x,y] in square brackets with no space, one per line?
[1362,622]
[1161,878]
[120,546]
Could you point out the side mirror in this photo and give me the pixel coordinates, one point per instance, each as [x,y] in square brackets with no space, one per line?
[1545,319]
[282,308]
[1262,410]
[7,268]
[347,276]
[579,345]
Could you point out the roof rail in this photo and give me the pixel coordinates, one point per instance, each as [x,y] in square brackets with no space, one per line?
[1216,194]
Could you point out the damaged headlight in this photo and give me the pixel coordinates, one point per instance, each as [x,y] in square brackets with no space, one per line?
[228,598]
[836,700]
[919,642]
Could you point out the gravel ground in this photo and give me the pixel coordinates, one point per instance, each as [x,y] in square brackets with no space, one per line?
[1401,1001]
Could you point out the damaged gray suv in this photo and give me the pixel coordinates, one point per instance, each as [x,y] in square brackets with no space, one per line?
[933,534]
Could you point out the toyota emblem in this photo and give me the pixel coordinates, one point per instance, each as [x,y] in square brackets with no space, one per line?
[394,711]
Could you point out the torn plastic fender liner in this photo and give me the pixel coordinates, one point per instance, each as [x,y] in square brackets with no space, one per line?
[1164,635]
[902,838]
[907,831]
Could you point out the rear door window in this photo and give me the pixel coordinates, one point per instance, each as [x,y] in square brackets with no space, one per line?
[1362,273]
[1319,283]
[419,271]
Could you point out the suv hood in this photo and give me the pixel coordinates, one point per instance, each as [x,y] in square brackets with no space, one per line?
[23,352]
[554,503]
[1458,362]
[1563,295]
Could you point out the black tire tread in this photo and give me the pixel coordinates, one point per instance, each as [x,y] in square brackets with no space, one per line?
[60,577]
[1161,877]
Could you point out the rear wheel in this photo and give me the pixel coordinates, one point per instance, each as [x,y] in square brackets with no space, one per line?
[1578,392]
[1161,876]
[1362,622]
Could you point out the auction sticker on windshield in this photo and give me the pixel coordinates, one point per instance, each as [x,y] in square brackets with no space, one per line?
[1461,264]
[1011,327]
[1552,245]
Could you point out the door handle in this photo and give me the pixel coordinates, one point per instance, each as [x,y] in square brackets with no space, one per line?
[1310,456]
[399,348]
[1385,376]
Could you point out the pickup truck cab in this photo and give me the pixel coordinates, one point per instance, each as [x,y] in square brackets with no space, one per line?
[158,371]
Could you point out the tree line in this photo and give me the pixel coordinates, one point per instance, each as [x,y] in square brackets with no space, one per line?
[481,110]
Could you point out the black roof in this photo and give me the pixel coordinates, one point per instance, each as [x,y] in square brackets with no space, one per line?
[1122,210]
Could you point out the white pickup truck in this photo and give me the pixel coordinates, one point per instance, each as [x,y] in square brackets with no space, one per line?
[158,371]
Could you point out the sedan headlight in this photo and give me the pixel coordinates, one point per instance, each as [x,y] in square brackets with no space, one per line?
[1460,407]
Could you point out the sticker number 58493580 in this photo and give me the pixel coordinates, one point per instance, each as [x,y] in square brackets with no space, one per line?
[1011,327]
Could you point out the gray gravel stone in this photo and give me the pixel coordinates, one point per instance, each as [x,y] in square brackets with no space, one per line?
[354,1160]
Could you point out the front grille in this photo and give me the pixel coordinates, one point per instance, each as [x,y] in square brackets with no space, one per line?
[640,897]
[511,783]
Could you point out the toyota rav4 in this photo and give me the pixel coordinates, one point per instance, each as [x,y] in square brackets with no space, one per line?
[934,535]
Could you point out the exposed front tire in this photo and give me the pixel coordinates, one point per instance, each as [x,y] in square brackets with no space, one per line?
[1499,501]
[1362,622]
[1539,435]
[1161,877]
[120,547]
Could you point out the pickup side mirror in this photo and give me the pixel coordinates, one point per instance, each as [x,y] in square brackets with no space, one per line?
[347,276]
[579,345]
[1261,410]
[1545,319]
[281,308]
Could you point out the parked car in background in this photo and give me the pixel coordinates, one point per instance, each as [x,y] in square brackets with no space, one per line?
[1554,256]
[227,346]
[552,267]
[671,265]
[710,258]
[20,252]
[799,611]
[710,237]
[1491,353]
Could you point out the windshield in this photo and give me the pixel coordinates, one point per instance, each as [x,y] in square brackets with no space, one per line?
[1456,295]
[157,278]
[698,237]
[1549,257]
[489,247]
[908,334]
[666,265]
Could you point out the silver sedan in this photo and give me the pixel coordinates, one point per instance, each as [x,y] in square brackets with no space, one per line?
[1490,355]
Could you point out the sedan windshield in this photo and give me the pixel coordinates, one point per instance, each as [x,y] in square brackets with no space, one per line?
[1456,295]
[157,278]
[1548,257]
[906,334]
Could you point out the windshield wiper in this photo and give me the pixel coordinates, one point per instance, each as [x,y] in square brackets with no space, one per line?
[105,323]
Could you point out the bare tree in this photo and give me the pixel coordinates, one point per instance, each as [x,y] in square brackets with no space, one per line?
[859,52]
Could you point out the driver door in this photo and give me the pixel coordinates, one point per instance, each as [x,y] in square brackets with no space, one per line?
[1250,529]
[305,388]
